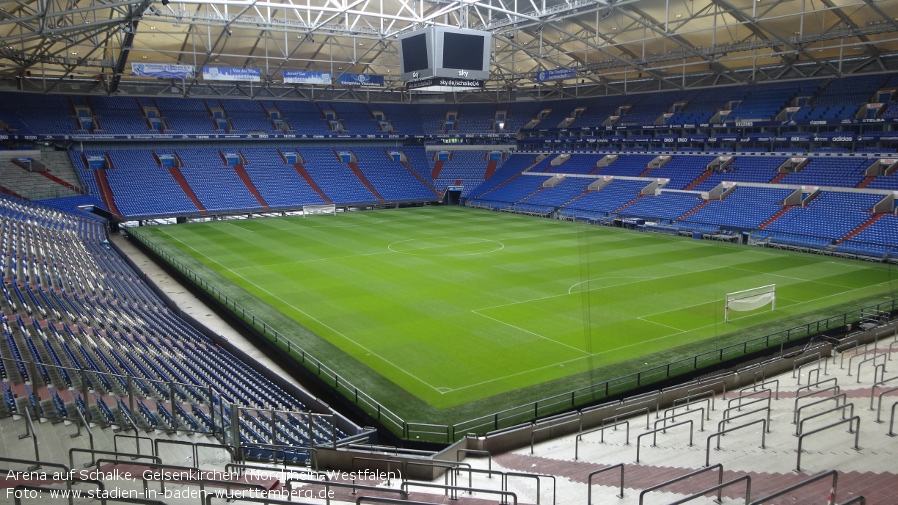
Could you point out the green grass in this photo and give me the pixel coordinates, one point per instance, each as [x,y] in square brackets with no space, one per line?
[441,313]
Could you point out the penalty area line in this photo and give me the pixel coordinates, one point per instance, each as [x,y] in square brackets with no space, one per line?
[341,334]
[530,332]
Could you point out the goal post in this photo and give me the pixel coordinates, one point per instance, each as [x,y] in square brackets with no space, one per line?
[750,299]
[313,210]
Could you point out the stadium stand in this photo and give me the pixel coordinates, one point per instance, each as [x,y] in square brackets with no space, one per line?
[83,332]
[83,335]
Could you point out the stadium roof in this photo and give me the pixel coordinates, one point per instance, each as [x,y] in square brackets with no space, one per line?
[615,46]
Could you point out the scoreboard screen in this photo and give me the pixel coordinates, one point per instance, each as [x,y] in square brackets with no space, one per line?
[414,53]
[444,51]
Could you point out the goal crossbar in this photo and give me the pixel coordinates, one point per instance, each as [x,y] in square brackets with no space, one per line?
[750,299]
[311,210]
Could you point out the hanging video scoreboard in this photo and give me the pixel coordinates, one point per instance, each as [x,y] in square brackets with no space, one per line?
[445,56]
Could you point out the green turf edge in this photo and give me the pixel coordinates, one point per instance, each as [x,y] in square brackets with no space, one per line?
[355,377]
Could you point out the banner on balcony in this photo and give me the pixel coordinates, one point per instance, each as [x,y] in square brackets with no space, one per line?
[232,74]
[360,80]
[306,77]
[163,70]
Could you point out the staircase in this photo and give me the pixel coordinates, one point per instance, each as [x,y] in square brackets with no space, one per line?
[301,170]
[106,191]
[702,178]
[57,180]
[500,185]
[778,178]
[490,169]
[624,206]
[358,173]
[179,177]
[412,171]
[694,210]
[866,181]
[866,224]
[774,217]
[531,194]
[435,173]
[241,172]
[574,199]
[7,191]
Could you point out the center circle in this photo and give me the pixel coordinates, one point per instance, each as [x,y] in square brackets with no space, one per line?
[446,246]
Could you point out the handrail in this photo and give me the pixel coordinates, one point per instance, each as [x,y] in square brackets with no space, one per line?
[719,488]
[749,397]
[734,428]
[673,417]
[808,387]
[861,355]
[478,452]
[388,461]
[879,402]
[795,408]
[800,427]
[797,415]
[726,413]
[536,477]
[654,433]
[718,466]
[20,491]
[137,439]
[94,452]
[824,359]
[329,483]
[804,360]
[602,429]
[891,432]
[313,452]
[850,421]
[231,450]
[873,359]
[617,415]
[592,474]
[689,399]
[835,484]
[240,468]
[29,432]
[723,422]
[689,404]
[66,470]
[533,431]
[386,501]
[878,385]
[754,387]
[405,485]
[90,432]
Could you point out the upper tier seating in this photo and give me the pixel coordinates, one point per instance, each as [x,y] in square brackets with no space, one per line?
[62,115]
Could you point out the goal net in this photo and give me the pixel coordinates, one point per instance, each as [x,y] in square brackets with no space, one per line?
[750,299]
[312,210]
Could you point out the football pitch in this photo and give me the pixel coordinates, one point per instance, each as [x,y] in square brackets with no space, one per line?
[438,308]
